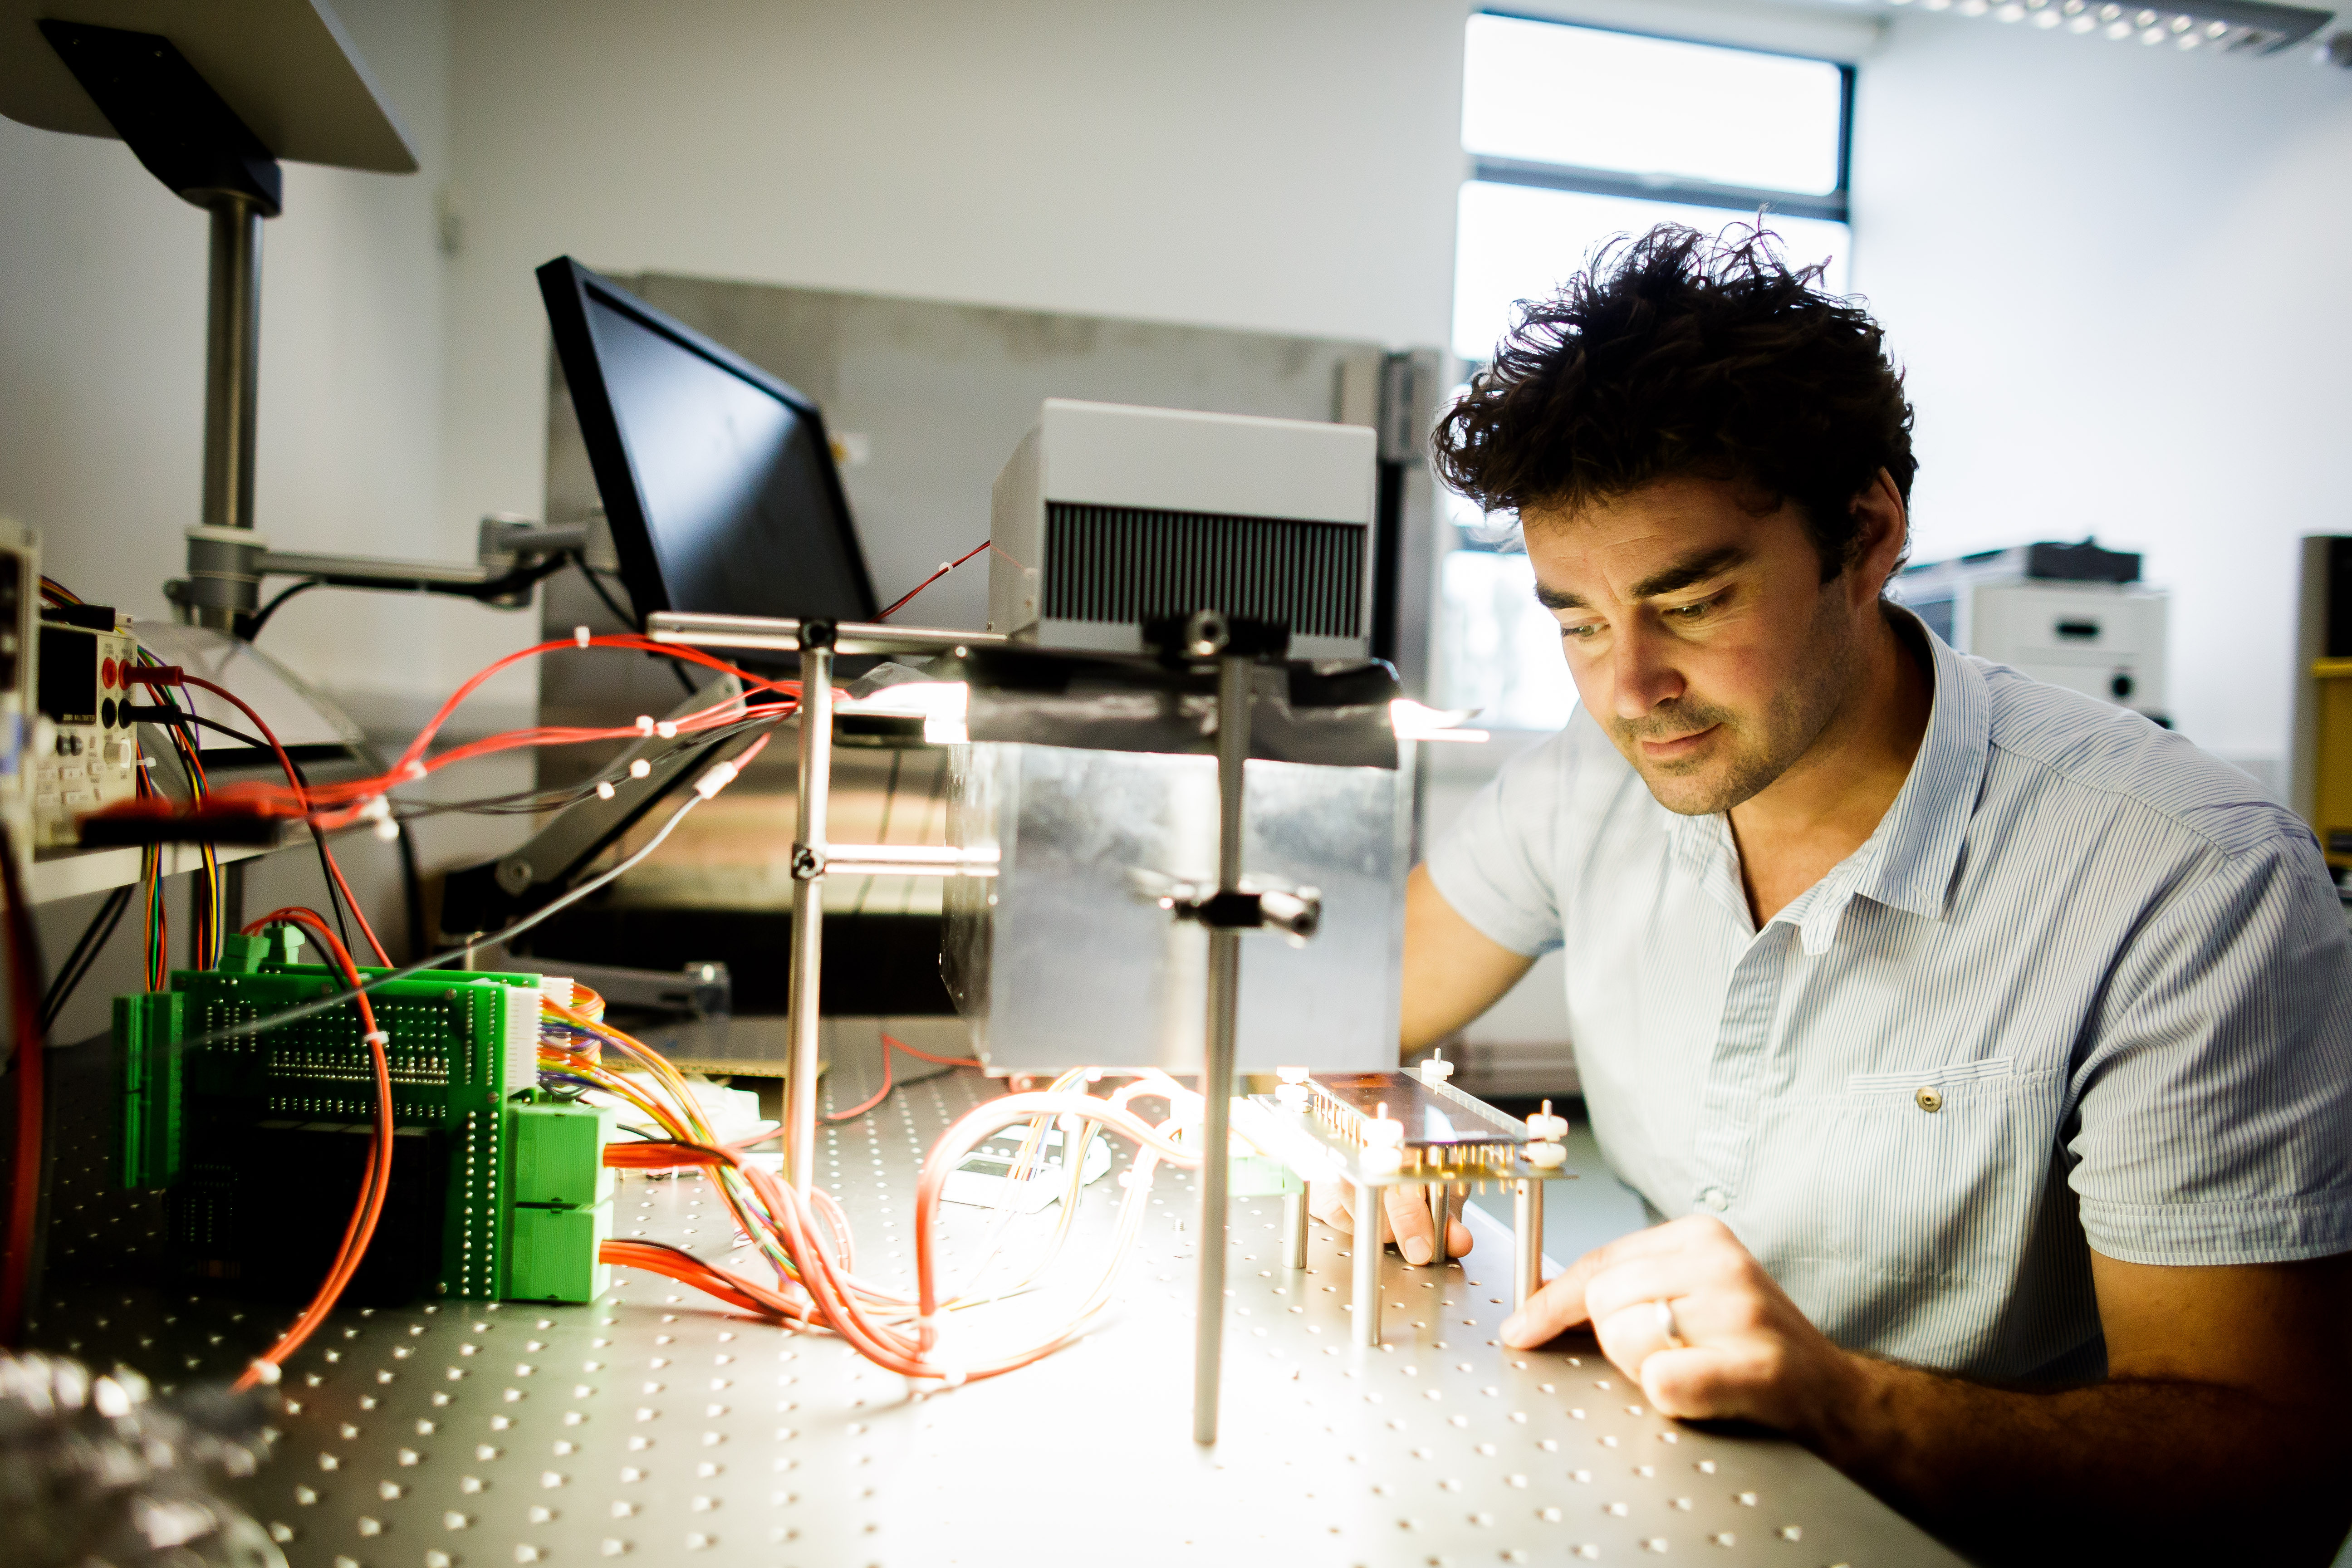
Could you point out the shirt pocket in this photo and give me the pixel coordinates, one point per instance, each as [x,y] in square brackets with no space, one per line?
[1933,1175]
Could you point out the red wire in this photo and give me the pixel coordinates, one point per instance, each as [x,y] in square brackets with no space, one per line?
[361,1231]
[25,1179]
[294,782]
[945,568]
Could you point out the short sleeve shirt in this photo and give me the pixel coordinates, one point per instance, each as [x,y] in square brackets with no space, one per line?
[2085,987]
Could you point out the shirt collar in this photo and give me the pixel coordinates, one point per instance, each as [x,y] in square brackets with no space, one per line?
[1910,860]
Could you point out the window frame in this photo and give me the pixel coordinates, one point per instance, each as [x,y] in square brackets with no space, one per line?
[1835,206]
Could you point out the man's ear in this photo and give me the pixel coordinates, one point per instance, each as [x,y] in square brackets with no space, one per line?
[1881,536]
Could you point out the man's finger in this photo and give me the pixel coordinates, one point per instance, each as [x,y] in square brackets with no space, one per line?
[1548,1313]
[1408,1216]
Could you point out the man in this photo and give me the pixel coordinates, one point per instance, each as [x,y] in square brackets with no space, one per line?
[1994,1044]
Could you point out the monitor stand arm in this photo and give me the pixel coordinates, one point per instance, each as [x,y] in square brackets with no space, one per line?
[514,553]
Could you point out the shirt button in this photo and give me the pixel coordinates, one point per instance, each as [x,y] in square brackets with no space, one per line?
[1716,1198]
[1930,1097]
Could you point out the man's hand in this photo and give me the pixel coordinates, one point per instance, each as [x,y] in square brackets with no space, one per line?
[1728,1343]
[1404,1218]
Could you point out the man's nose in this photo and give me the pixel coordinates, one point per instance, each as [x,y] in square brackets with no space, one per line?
[1645,673]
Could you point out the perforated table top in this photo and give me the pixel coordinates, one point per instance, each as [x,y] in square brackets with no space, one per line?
[656,1426]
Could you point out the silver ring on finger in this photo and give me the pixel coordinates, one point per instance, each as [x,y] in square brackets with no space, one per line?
[1667,1326]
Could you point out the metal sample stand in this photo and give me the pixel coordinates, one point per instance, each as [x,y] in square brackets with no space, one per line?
[1217,1067]
[808,901]
[1309,1148]
[1226,914]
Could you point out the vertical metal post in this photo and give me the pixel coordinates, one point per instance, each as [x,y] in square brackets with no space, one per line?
[1441,1206]
[808,898]
[1367,1261]
[222,579]
[1294,1230]
[1526,1237]
[1234,672]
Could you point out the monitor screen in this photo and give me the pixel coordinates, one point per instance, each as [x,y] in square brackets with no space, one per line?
[718,478]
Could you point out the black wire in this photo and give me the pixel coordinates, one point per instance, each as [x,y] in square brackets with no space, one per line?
[84,956]
[627,618]
[175,719]
[409,971]
[250,627]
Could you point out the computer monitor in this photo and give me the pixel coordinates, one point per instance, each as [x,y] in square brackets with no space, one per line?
[718,478]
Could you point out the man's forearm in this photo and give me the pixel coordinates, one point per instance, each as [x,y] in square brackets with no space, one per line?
[2167,1468]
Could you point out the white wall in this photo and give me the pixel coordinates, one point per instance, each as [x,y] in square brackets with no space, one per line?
[1289,167]
[2114,272]
[102,361]
[2117,274]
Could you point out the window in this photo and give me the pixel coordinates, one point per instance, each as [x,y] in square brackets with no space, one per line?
[1576,134]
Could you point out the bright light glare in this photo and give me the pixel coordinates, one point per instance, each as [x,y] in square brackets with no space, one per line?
[1517,242]
[1499,650]
[1414,722]
[939,704]
[1555,94]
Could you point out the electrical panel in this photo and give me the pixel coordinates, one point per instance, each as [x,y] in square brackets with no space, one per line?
[260,1140]
[87,754]
[20,598]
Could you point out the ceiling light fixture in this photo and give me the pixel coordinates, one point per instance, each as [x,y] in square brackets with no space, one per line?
[2225,26]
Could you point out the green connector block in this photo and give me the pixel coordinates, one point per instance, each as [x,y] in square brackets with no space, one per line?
[147,1033]
[558,1154]
[551,1253]
[1259,1176]
[242,954]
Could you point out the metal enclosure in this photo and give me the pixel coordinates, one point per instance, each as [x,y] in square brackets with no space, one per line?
[1108,516]
[1066,957]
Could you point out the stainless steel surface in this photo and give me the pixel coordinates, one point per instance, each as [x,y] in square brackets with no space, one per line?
[1066,958]
[1527,1239]
[1364,1278]
[1294,1230]
[222,577]
[1441,1209]
[1234,672]
[655,1427]
[784,635]
[908,861]
[388,569]
[808,913]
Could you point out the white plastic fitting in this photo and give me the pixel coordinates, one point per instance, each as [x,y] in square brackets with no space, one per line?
[1545,1126]
[1546,1156]
[1436,1068]
[1383,1161]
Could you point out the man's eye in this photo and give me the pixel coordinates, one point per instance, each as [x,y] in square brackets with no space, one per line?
[1580,634]
[1691,611]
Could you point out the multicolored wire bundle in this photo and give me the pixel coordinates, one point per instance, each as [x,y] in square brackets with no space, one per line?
[804,1239]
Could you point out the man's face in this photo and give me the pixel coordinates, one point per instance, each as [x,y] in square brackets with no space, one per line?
[1700,634]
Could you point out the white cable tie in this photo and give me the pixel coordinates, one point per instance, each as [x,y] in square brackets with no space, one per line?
[714,781]
[579,636]
[375,808]
[640,768]
[605,788]
[388,830]
[375,1038]
[267,1374]
[645,724]
[666,730]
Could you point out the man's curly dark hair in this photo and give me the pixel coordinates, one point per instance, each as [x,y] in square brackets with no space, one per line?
[1677,355]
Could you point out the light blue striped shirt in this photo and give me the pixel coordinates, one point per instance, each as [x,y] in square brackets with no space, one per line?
[2084,986]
